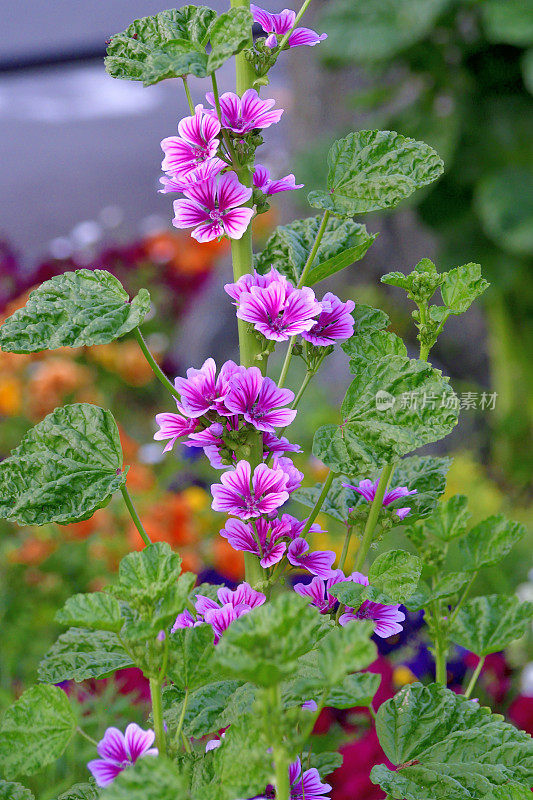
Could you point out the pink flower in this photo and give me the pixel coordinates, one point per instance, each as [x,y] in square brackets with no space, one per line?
[318,563]
[387,618]
[201,391]
[118,751]
[197,142]
[334,322]
[173,427]
[180,182]
[278,311]
[259,400]
[244,284]
[263,181]
[246,113]
[368,490]
[318,590]
[236,495]
[279,24]
[307,785]
[295,526]
[262,537]
[273,445]
[211,208]
[295,477]
[231,606]
[212,440]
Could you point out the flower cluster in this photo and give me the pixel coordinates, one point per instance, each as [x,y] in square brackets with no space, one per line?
[231,606]
[367,489]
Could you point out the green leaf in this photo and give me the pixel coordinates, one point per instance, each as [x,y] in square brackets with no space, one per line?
[191,657]
[75,309]
[449,519]
[396,573]
[242,764]
[288,248]
[489,541]
[446,747]
[14,791]
[504,202]
[508,21]
[445,588]
[461,286]
[204,709]
[488,624]
[368,319]
[374,170]
[345,650]
[80,791]
[150,778]
[172,44]
[35,730]
[420,284]
[144,577]
[348,593]
[392,407]
[355,690]
[97,610]
[373,346]
[80,654]
[263,645]
[376,31]
[65,468]
[325,763]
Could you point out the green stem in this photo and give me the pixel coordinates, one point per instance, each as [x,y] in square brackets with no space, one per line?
[373,516]
[245,72]
[475,676]
[86,736]
[188,93]
[135,517]
[297,19]
[286,363]
[314,249]
[186,744]
[281,771]
[157,712]
[463,597]
[345,547]
[158,372]
[303,387]
[225,134]
[182,716]
[441,646]
[318,505]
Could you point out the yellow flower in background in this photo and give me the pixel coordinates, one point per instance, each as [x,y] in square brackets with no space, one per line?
[467,476]
[402,675]
[196,498]
[10,396]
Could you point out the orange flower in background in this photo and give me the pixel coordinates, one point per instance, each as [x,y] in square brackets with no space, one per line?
[182,253]
[169,520]
[54,379]
[227,561]
[33,551]
[125,359]
[101,522]
[10,395]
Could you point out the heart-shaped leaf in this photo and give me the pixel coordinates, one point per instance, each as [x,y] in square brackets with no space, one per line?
[488,624]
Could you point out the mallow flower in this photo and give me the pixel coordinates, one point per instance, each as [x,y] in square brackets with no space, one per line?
[182,181]
[214,208]
[334,322]
[318,590]
[173,427]
[387,618]
[231,605]
[306,785]
[197,142]
[368,490]
[261,180]
[202,391]
[119,750]
[263,538]
[278,311]
[277,25]
[259,400]
[237,496]
[244,114]
[245,282]
[318,562]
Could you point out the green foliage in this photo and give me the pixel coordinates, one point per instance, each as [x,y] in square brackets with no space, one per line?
[145,577]
[372,346]
[35,730]
[150,778]
[191,657]
[420,284]
[368,319]
[243,765]
[96,610]
[348,593]
[374,170]
[263,646]
[205,707]
[288,248]
[508,21]
[461,286]
[489,541]
[488,624]
[444,588]
[447,747]
[449,519]
[396,573]
[65,468]
[75,309]
[506,221]
[173,43]
[80,654]
[14,791]
[80,791]
[344,650]
[387,413]
[355,690]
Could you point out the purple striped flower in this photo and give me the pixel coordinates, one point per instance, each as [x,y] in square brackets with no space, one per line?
[197,142]
[237,496]
[263,181]
[278,311]
[277,25]
[230,606]
[276,446]
[307,785]
[318,590]
[262,538]
[367,489]
[119,750]
[259,400]
[214,208]
[180,182]
[334,322]
[244,284]
[387,618]
[244,114]
[296,526]
[173,427]
[202,391]
[295,477]
[318,562]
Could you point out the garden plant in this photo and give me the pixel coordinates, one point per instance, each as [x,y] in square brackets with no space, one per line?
[239,677]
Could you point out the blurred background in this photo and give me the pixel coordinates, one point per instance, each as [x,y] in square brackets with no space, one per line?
[79,179]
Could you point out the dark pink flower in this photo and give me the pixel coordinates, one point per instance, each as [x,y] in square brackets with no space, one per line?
[259,400]
[295,477]
[263,181]
[244,284]
[318,563]
[244,499]
[387,618]
[119,750]
[334,322]
[279,311]
[197,142]
[318,590]
[181,182]
[277,25]
[246,113]
[261,537]
[307,785]
[201,391]
[214,208]
[274,445]
[296,526]
[230,606]
[368,490]
[173,427]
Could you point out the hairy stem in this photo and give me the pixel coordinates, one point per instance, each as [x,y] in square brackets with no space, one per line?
[134,515]
[281,761]
[318,505]
[475,676]
[188,93]
[373,515]
[156,369]
[157,712]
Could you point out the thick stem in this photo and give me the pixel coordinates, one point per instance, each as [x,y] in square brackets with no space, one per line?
[135,517]
[318,505]
[373,515]
[281,771]
[475,676]
[157,712]
[441,647]
[158,372]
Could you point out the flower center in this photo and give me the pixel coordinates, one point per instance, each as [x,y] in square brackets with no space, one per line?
[216,215]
